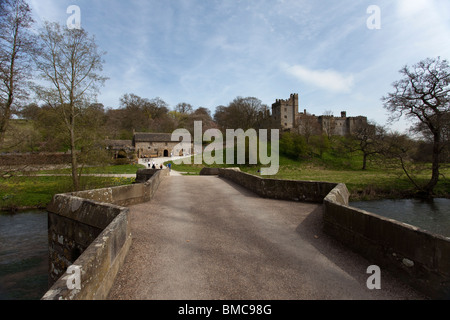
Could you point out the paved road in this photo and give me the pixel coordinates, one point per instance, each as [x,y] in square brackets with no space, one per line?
[204,238]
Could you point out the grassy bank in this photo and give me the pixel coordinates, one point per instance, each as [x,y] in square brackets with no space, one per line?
[117,169]
[33,191]
[374,183]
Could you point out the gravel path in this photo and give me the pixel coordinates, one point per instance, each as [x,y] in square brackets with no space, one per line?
[205,238]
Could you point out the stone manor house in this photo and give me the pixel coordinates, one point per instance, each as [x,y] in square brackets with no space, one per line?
[287,117]
[157,145]
[147,145]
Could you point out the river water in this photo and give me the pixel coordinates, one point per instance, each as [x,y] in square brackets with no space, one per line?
[431,215]
[23,255]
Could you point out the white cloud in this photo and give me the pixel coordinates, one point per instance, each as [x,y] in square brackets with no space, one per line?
[326,79]
[413,7]
[49,10]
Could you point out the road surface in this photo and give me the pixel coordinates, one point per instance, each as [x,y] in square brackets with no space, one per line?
[205,238]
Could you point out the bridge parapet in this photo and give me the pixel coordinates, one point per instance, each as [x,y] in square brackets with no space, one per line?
[418,257]
[90,230]
[295,190]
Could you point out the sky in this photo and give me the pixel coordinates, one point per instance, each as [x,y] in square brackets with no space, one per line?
[337,55]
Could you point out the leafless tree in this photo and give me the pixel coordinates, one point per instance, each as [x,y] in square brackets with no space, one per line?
[423,95]
[16,46]
[243,113]
[401,148]
[70,62]
[142,114]
[184,108]
[369,139]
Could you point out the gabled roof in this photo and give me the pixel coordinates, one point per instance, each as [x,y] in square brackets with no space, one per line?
[152,137]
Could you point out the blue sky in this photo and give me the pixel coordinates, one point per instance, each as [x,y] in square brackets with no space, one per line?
[207,52]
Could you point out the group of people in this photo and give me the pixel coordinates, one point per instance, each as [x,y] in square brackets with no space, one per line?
[153,165]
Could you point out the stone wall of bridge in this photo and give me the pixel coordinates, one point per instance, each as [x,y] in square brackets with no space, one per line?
[420,258]
[306,191]
[90,230]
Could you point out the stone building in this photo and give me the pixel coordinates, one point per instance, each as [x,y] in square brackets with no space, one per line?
[287,117]
[285,112]
[120,148]
[157,145]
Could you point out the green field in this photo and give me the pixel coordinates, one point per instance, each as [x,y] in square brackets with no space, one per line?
[33,191]
[117,169]
[376,182]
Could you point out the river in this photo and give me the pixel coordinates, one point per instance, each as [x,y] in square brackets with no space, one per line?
[431,215]
[23,255]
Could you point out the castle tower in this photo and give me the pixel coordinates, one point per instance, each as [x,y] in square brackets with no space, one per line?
[285,112]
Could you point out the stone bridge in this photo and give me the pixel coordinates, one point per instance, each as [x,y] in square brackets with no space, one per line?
[228,236]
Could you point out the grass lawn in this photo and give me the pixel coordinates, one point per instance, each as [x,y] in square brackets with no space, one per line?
[375,182]
[117,169]
[33,191]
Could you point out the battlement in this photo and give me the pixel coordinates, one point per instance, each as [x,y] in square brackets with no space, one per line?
[293,99]
[286,115]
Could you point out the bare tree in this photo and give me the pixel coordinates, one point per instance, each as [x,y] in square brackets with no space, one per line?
[401,147]
[142,114]
[184,108]
[369,139]
[242,113]
[16,44]
[69,61]
[423,95]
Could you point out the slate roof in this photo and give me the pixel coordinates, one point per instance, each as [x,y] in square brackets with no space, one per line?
[152,137]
